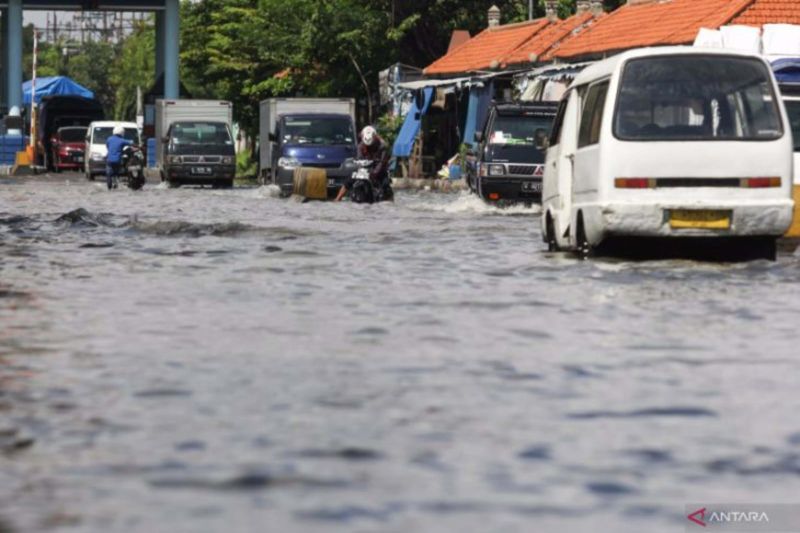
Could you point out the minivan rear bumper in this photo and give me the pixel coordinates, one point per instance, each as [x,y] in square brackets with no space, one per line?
[763,218]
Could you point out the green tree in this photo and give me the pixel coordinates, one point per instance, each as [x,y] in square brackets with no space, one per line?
[134,67]
[90,67]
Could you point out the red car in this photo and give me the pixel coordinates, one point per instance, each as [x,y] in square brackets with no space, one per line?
[68,146]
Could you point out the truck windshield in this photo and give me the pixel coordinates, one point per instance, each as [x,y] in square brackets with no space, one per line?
[200,133]
[310,130]
[696,97]
[72,135]
[521,130]
[102,133]
[793,108]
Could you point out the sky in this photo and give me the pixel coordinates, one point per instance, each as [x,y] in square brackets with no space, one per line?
[39,18]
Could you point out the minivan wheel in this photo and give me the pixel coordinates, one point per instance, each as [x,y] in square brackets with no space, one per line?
[173,184]
[550,235]
[584,247]
[768,249]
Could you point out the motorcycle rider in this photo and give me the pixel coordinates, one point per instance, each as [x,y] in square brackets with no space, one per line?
[373,148]
[115,144]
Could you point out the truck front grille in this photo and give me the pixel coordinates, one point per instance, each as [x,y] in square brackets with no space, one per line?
[523,170]
[201,159]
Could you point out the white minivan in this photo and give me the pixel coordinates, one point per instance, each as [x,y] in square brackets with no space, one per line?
[96,150]
[669,142]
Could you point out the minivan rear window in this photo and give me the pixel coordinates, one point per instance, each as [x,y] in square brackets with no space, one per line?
[696,97]
[793,108]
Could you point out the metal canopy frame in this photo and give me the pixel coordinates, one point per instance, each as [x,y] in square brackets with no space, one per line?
[167,38]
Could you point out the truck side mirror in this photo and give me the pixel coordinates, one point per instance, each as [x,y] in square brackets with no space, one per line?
[273,138]
[165,139]
[479,136]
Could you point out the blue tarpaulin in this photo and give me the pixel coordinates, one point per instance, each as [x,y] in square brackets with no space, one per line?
[787,70]
[56,85]
[408,133]
[480,96]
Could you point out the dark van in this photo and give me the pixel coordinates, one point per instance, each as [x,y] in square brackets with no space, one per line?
[510,152]
[199,152]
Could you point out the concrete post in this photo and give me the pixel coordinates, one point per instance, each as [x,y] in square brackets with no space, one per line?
[494,16]
[171,49]
[159,44]
[13,47]
[551,10]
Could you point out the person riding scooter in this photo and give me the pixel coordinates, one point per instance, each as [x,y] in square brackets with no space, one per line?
[115,144]
[373,148]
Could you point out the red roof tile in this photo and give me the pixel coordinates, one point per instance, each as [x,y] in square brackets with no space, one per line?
[547,39]
[661,22]
[770,12]
[492,44]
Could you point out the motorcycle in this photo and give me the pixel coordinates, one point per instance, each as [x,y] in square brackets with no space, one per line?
[132,167]
[364,191]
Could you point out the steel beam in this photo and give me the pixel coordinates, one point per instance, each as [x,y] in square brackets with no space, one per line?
[13,48]
[171,49]
[160,28]
[3,59]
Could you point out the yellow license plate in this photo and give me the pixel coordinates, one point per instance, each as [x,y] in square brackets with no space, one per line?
[699,219]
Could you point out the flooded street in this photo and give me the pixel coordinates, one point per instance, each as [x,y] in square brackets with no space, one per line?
[224,360]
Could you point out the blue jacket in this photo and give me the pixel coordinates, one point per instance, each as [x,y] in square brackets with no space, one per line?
[115,144]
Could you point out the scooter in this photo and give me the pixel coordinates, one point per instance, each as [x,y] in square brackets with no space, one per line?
[132,167]
[364,191]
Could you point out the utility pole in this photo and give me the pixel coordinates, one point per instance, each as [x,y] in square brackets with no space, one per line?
[530,9]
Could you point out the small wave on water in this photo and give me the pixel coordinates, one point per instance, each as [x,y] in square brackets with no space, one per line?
[468,203]
[177,228]
[83,217]
[264,191]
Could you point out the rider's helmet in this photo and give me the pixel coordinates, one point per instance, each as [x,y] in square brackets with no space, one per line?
[368,135]
[119,130]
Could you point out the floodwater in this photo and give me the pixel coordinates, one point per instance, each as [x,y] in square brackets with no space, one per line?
[201,361]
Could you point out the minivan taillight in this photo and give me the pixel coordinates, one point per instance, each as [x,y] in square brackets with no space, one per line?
[760,183]
[635,183]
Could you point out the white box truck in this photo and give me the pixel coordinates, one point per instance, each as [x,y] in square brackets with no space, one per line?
[194,144]
[306,132]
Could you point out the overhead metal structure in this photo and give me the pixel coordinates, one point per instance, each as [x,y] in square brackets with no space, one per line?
[167,14]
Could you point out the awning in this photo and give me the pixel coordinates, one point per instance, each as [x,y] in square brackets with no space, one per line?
[479,98]
[560,71]
[52,86]
[787,70]
[408,133]
[421,84]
